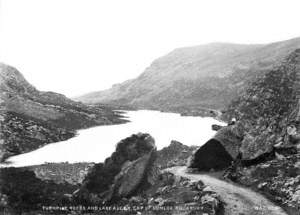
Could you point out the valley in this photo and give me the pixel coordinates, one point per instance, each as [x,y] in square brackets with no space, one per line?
[235,110]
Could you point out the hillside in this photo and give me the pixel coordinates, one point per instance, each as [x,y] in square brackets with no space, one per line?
[267,135]
[30,118]
[206,76]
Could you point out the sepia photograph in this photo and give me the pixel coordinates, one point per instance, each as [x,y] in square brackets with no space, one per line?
[149,107]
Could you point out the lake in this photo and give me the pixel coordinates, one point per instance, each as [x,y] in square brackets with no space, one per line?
[97,143]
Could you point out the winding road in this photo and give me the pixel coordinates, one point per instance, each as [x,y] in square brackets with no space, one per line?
[238,200]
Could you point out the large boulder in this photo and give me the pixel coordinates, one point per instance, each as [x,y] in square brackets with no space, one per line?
[219,152]
[230,138]
[122,173]
[131,148]
[125,184]
[211,156]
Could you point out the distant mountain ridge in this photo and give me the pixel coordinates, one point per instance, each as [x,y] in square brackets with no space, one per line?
[30,118]
[206,76]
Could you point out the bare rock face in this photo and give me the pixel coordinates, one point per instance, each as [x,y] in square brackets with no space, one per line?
[230,137]
[269,111]
[132,175]
[129,169]
[176,154]
[218,152]
[254,147]
[267,108]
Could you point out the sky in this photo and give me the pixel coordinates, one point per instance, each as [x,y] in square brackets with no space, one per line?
[78,46]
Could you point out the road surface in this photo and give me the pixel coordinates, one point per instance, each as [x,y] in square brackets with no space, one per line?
[238,200]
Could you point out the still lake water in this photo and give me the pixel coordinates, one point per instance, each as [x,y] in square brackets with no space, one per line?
[97,143]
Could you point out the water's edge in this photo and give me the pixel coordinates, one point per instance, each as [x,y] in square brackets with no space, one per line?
[97,143]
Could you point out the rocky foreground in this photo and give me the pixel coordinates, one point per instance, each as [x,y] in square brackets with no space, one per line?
[277,179]
[236,199]
[133,178]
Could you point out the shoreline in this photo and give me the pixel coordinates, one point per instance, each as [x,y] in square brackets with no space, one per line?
[118,121]
[162,139]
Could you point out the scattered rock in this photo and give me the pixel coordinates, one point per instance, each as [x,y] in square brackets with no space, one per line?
[296,197]
[216,127]
[198,185]
[261,185]
[209,200]
[176,154]
[208,189]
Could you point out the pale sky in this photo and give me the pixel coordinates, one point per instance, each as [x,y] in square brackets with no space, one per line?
[77,46]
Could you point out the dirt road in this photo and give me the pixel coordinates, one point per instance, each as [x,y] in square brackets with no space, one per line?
[238,200]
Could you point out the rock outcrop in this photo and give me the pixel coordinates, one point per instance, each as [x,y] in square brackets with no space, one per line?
[176,154]
[266,120]
[278,179]
[175,195]
[269,149]
[113,179]
[268,108]
[230,137]
[30,118]
[219,152]
[125,184]
[212,156]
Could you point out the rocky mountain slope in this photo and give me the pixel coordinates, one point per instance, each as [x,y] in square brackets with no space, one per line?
[30,118]
[264,143]
[195,78]
[268,108]
[269,113]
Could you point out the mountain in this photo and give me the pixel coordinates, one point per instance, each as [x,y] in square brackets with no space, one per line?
[30,118]
[191,78]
